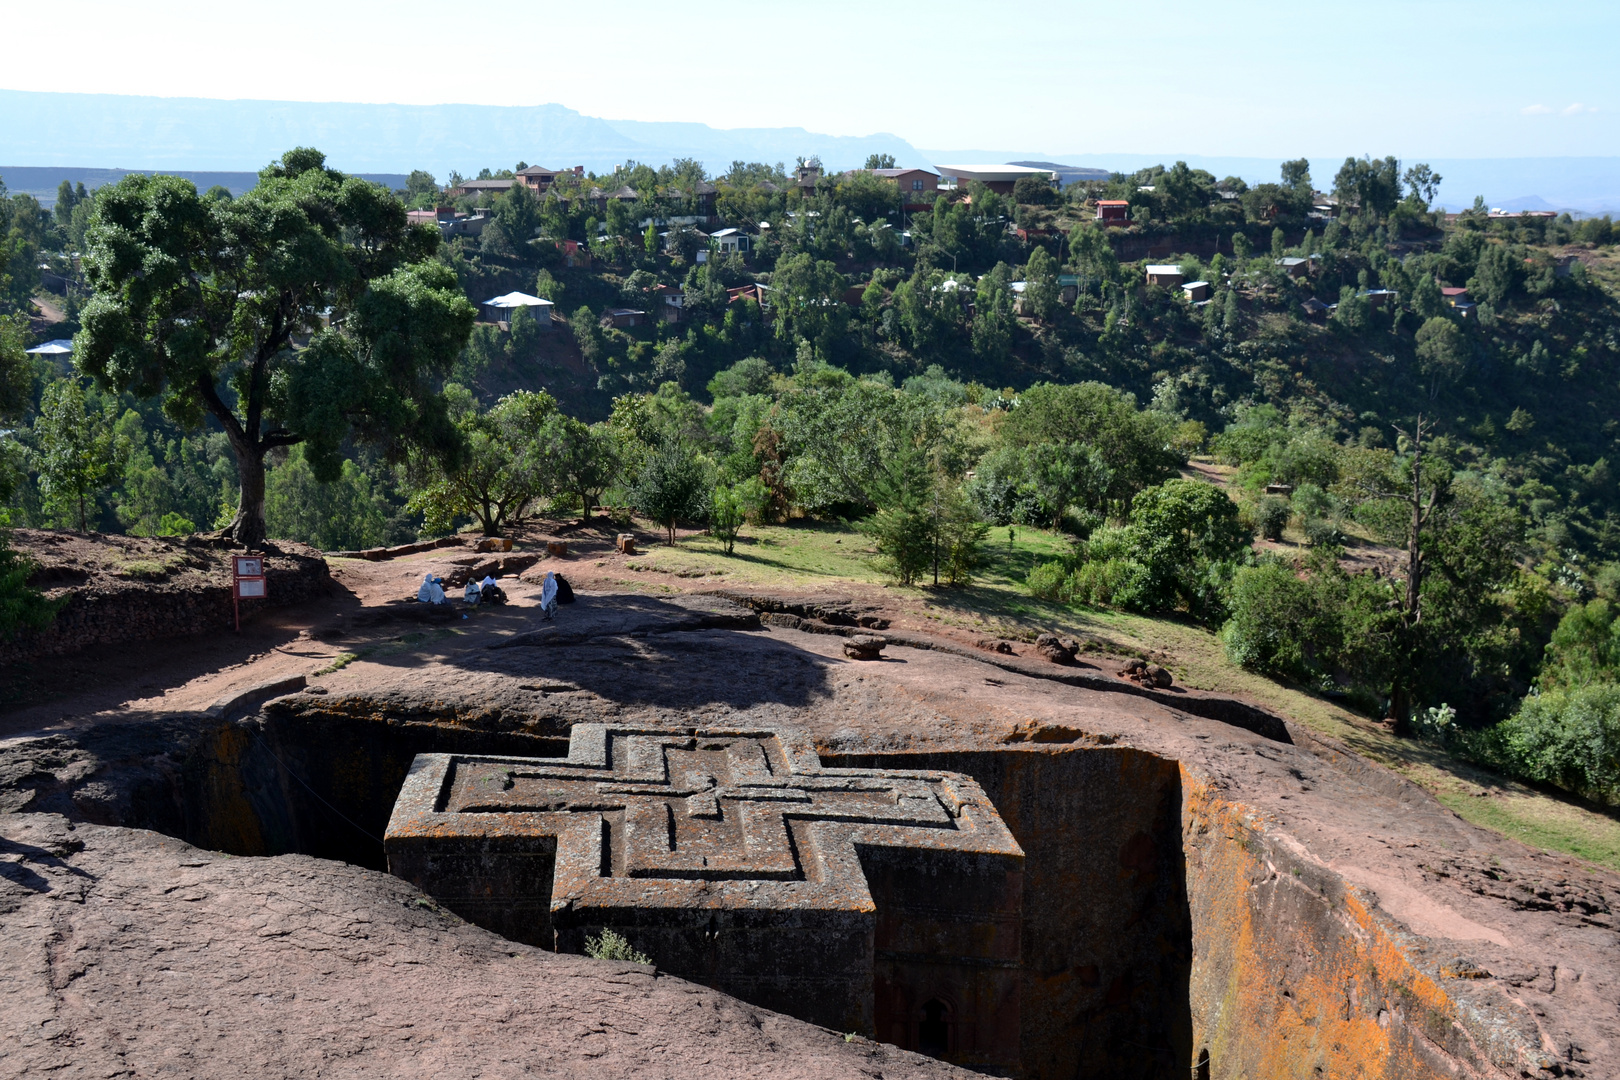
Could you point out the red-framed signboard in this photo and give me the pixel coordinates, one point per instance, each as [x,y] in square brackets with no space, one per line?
[247,582]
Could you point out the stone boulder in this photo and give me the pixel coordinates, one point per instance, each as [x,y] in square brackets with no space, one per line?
[556,549]
[1145,674]
[1056,649]
[625,543]
[864,647]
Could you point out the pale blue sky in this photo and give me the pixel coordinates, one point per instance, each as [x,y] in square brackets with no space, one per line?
[1485,78]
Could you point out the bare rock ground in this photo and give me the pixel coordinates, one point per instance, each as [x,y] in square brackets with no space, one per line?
[295,966]
[133,954]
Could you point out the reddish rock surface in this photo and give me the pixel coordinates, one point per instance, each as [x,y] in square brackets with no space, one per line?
[1341,919]
[132,954]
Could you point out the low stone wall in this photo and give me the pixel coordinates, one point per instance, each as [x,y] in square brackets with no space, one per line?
[193,598]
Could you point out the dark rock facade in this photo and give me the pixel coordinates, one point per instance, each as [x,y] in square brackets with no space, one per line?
[866,900]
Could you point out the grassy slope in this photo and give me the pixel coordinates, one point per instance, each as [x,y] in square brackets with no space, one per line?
[825,556]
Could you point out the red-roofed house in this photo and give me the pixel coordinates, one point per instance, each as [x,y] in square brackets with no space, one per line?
[756,293]
[1113,211]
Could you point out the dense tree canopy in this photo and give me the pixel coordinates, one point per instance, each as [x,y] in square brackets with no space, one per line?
[304,311]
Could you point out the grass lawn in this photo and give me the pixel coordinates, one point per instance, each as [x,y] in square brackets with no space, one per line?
[804,555]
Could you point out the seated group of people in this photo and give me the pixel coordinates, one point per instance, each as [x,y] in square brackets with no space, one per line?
[553,590]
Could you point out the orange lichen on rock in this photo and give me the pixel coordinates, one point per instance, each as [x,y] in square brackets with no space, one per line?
[1295,973]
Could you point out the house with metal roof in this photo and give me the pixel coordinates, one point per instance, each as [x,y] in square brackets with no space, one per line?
[501,308]
[998,178]
[731,241]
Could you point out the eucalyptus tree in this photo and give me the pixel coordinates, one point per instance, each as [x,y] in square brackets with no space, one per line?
[308,310]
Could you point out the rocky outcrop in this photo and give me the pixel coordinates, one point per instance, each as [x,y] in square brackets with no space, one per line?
[864,647]
[1198,880]
[133,954]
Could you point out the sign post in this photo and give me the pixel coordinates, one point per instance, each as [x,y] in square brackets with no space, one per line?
[247,582]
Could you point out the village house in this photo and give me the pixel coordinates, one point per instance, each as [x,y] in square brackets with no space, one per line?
[1166,274]
[731,241]
[536,178]
[501,308]
[1294,266]
[702,198]
[998,178]
[599,198]
[1114,211]
[672,239]
[483,187]
[756,293]
[576,256]
[1458,299]
[914,183]
[1196,291]
[673,306]
[1315,309]
[450,222]
[622,318]
[431,217]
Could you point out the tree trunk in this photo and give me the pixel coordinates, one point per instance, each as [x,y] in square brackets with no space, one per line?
[1412,603]
[1400,707]
[248,527]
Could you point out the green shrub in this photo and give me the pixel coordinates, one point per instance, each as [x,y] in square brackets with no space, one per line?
[1105,582]
[1274,623]
[674,486]
[1271,514]
[1322,532]
[173,524]
[614,946]
[1049,581]
[1566,737]
[904,538]
[21,605]
[728,510]
[961,540]
[1585,649]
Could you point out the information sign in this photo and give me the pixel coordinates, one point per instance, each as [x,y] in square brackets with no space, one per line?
[247,582]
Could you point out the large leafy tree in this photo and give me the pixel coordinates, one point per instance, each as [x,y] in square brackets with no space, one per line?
[1135,444]
[1374,186]
[76,449]
[585,459]
[673,487]
[506,467]
[306,311]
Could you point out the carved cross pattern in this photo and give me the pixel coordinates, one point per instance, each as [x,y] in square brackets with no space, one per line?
[695,819]
[713,807]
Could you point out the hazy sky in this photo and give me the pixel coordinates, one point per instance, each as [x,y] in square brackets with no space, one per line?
[1414,78]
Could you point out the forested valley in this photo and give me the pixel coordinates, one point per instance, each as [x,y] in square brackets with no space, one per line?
[1366,442]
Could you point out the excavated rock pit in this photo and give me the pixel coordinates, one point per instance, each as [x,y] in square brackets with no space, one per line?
[1195,895]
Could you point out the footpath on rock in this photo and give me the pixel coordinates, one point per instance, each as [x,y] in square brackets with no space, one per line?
[192,849]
